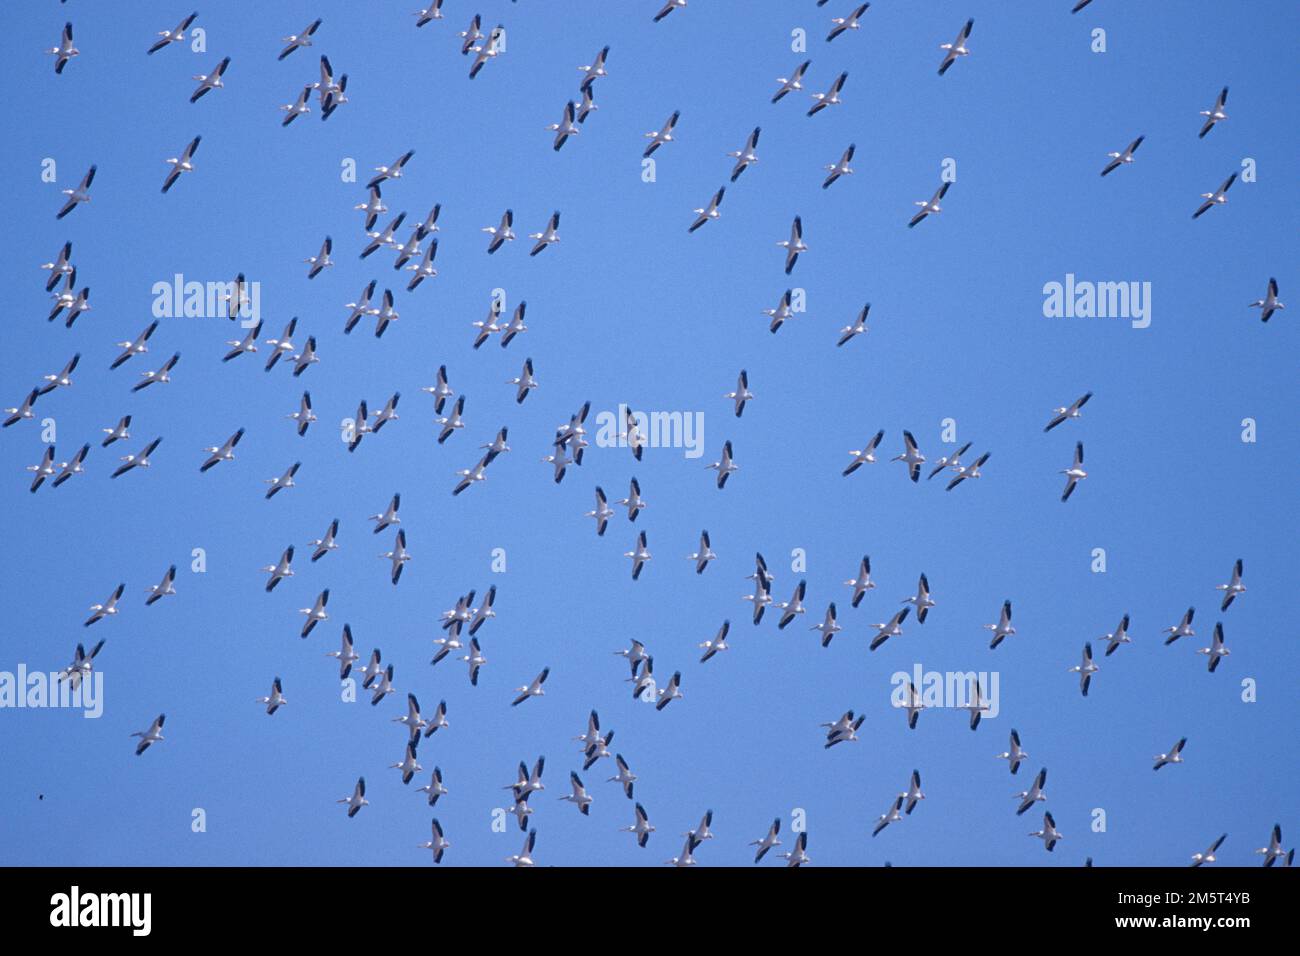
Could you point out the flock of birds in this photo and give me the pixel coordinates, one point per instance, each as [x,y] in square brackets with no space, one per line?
[462,623]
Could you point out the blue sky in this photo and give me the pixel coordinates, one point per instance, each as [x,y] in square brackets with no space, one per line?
[629,308]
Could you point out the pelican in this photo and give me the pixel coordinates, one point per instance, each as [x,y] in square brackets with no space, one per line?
[281,569]
[284,481]
[889,816]
[333,97]
[501,233]
[75,304]
[321,260]
[1002,629]
[742,394]
[209,81]
[298,108]
[1118,637]
[799,855]
[952,461]
[792,83]
[565,128]
[140,460]
[893,628]
[794,245]
[967,471]
[225,452]
[921,600]
[304,416]
[662,135]
[358,798]
[472,35]
[1035,793]
[326,543]
[533,689]
[548,235]
[769,840]
[1199,859]
[82,665]
[1075,473]
[956,48]
[1067,412]
[62,379]
[346,655]
[431,12]
[373,669]
[522,811]
[1079,5]
[795,606]
[761,598]
[451,423]
[524,382]
[709,212]
[384,173]
[717,643]
[247,344]
[831,97]
[559,462]
[595,70]
[639,554]
[440,391]
[701,832]
[1175,755]
[372,207]
[841,168]
[1120,159]
[666,9]
[283,345]
[398,556]
[161,375]
[65,51]
[431,726]
[382,687]
[1274,851]
[666,696]
[844,731]
[78,195]
[525,856]
[579,794]
[475,659]
[163,588]
[685,858]
[633,502]
[1085,669]
[911,456]
[172,36]
[385,314]
[913,705]
[60,267]
[414,723]
[642,828]
[1048,834]
[385,239]
[108,608]
[275,699]
[74,467]
[64,298]
[977,705]
[1214,114]
[316,613]
[862,583]
[635,655]
[483,612]
[1216,198]
[913,793]
[745,156]
[1269,304]
[151,736]
[46,468]
[1182,629]
[827,626]
[1016,755]
[439,843]
[865,455]
[782,311]
[410,249]
[602,513]
[586,107]
[297,40]
[625,778]
[118,431]
[389,515]
[847,23]
[929,207]
[183,164]
[1232,588]
[1216,651]
[725,465]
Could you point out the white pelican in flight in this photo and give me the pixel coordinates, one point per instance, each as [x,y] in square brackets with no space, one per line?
[69,468]
[1119,159]
[794,245]
[346,654]
[828,626]
[595,70]
[78,195]
[1199,859]
[525,856]
[165,587]
[117,432]
[565,128]
[847,23]
[742,394]
[1035,793]
[667,694]
[434,787]
[639,554]
[1216,198]
[1048,834]
[209,81]
[284,481]
[831,97]
[956,48]
[81,666]
[1274,851]
[408,765]
[642,827]
[316,613]
[977,705]
[224,452]
[921,599]
[172,36]
[1015,755]
[724,465]
[1214,114]
[664,134]
[1075,473]
[439,843]
[383,173]
[274,699]
[578,795]
[151,736]
[321,260]
[1002,629]
[892,628]
[745,156]
[181,164]
[62,379]
[1233,587]
[140,460]
[799,855]
[911,457]
[398,556]
[1216,651]
[503,232]
[913,794]
[24,411]
[297,40]
[240,346]
[967,471]
[432,12]
[1175,755]
[1182,629]
[931,206]
[1269,304]
[792,83]
[358,798]
[280,570]
[709,212]
[1117,637]
[1085,669]
[716,643]
[794,606]
[666,9]
[889,816]
[769,840]
[841,168]
[65,51]
[862,583]
[1067,412]
[161,375]
[547,236]
[533,689]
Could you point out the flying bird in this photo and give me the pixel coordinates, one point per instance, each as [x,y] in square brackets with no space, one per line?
[65,51]
[209,81]
[793,83]
[1175,755]
[1075,473]
[1214,114]
[847,23]
[956,48]
[1233,588]
[1073,410]
[182,164]
[77,196]
[658,137]
[533,689]
[1269,304]
[931,206]
[1216,198]
[297,40]
[745,156]
[151,736]
[794,245]
[172,36]
[841,168]
[831,97]
[709,212]
[1120,159]
[274,699]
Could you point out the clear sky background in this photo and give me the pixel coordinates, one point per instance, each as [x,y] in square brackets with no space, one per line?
[630,308]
